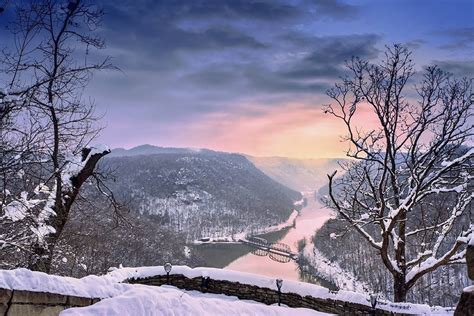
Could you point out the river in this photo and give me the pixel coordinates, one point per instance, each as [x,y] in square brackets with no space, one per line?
[310,219]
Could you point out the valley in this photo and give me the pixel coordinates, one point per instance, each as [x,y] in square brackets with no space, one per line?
[310,219]
[188,189]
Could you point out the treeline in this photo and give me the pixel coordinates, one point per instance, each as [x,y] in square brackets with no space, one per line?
[349,249]
[94,240]
[200,194]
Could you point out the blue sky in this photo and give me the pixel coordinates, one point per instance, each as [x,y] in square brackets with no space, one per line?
[250,76]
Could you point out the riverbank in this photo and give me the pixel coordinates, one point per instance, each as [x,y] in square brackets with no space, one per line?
[221,254]
[290,222]
[313,262]
[309,220]
[234,239]
[316,268]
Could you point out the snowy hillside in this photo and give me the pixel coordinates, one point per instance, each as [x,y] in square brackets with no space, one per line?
[151,150]
[298,174]
[201,193]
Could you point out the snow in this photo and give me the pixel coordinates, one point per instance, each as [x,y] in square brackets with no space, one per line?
[15,211]
[459,159]
[166,300]
[364,216]
[300,288]
[41,188]
[144,299]
[134,299]
[21,207]
[187,252]
[289,222]
[469,289]
[345,280]
[99,149]
[75,163]
[42,229]
[20,173]
[242,235]
[300,202]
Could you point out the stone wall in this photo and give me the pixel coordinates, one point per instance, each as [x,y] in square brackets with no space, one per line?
[21,303]
[466,303]
[263,295]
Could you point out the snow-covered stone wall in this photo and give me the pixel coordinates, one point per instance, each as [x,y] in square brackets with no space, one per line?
[259,294]
[20,302]
[24,292]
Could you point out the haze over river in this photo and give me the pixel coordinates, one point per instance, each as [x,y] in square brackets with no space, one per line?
[311,218]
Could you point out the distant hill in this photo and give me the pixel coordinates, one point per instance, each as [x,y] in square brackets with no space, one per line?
[150,149]
[200,192]
[298,174]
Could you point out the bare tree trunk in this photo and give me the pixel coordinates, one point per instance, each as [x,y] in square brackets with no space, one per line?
[41,260]
[43,254]
[400,288]
[397,170]
[47,81]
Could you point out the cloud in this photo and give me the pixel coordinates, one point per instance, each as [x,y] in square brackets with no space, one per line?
[328,54]
[293,129]
[457,38]
[415,44]
[159,35]
[195,67]
[263,10]
[309,72]
[335,9]
[459,68]
[205,9]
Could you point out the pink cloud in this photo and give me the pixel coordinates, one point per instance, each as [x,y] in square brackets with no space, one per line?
[295,129]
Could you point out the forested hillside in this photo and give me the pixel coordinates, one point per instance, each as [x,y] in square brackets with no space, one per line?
[168,197]
[201,193]
[298,174]
[344,246]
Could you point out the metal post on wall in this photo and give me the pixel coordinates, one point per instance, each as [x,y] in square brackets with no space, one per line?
[167,267]
[373,302]
[279,283]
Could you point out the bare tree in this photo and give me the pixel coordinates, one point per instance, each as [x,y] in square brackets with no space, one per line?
[408,188]
[46,126]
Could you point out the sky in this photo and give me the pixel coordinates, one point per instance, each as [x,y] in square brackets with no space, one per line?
[250,76]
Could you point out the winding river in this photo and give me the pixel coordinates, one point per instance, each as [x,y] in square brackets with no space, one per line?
[310,219]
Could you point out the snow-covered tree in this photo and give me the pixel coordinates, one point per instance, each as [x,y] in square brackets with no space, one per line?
[409,186]
[46,127]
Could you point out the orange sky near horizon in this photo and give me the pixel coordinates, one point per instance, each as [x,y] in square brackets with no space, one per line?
[296,130]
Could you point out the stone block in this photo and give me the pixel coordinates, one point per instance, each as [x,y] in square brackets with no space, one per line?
[465,306]
[78,301]
[470,261]
[38,298]
[5,296]
[34,310]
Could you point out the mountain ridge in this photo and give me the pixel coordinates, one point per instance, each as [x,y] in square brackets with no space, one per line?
[300,174]
[201,192]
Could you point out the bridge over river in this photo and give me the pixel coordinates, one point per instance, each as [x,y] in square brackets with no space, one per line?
[279,252]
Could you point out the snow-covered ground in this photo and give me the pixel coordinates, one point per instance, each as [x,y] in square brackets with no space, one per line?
[137,300]
[332,271]
[121,298]
[264,230]
[166,300]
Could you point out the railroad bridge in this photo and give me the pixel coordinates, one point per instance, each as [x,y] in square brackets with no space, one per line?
[279,252]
